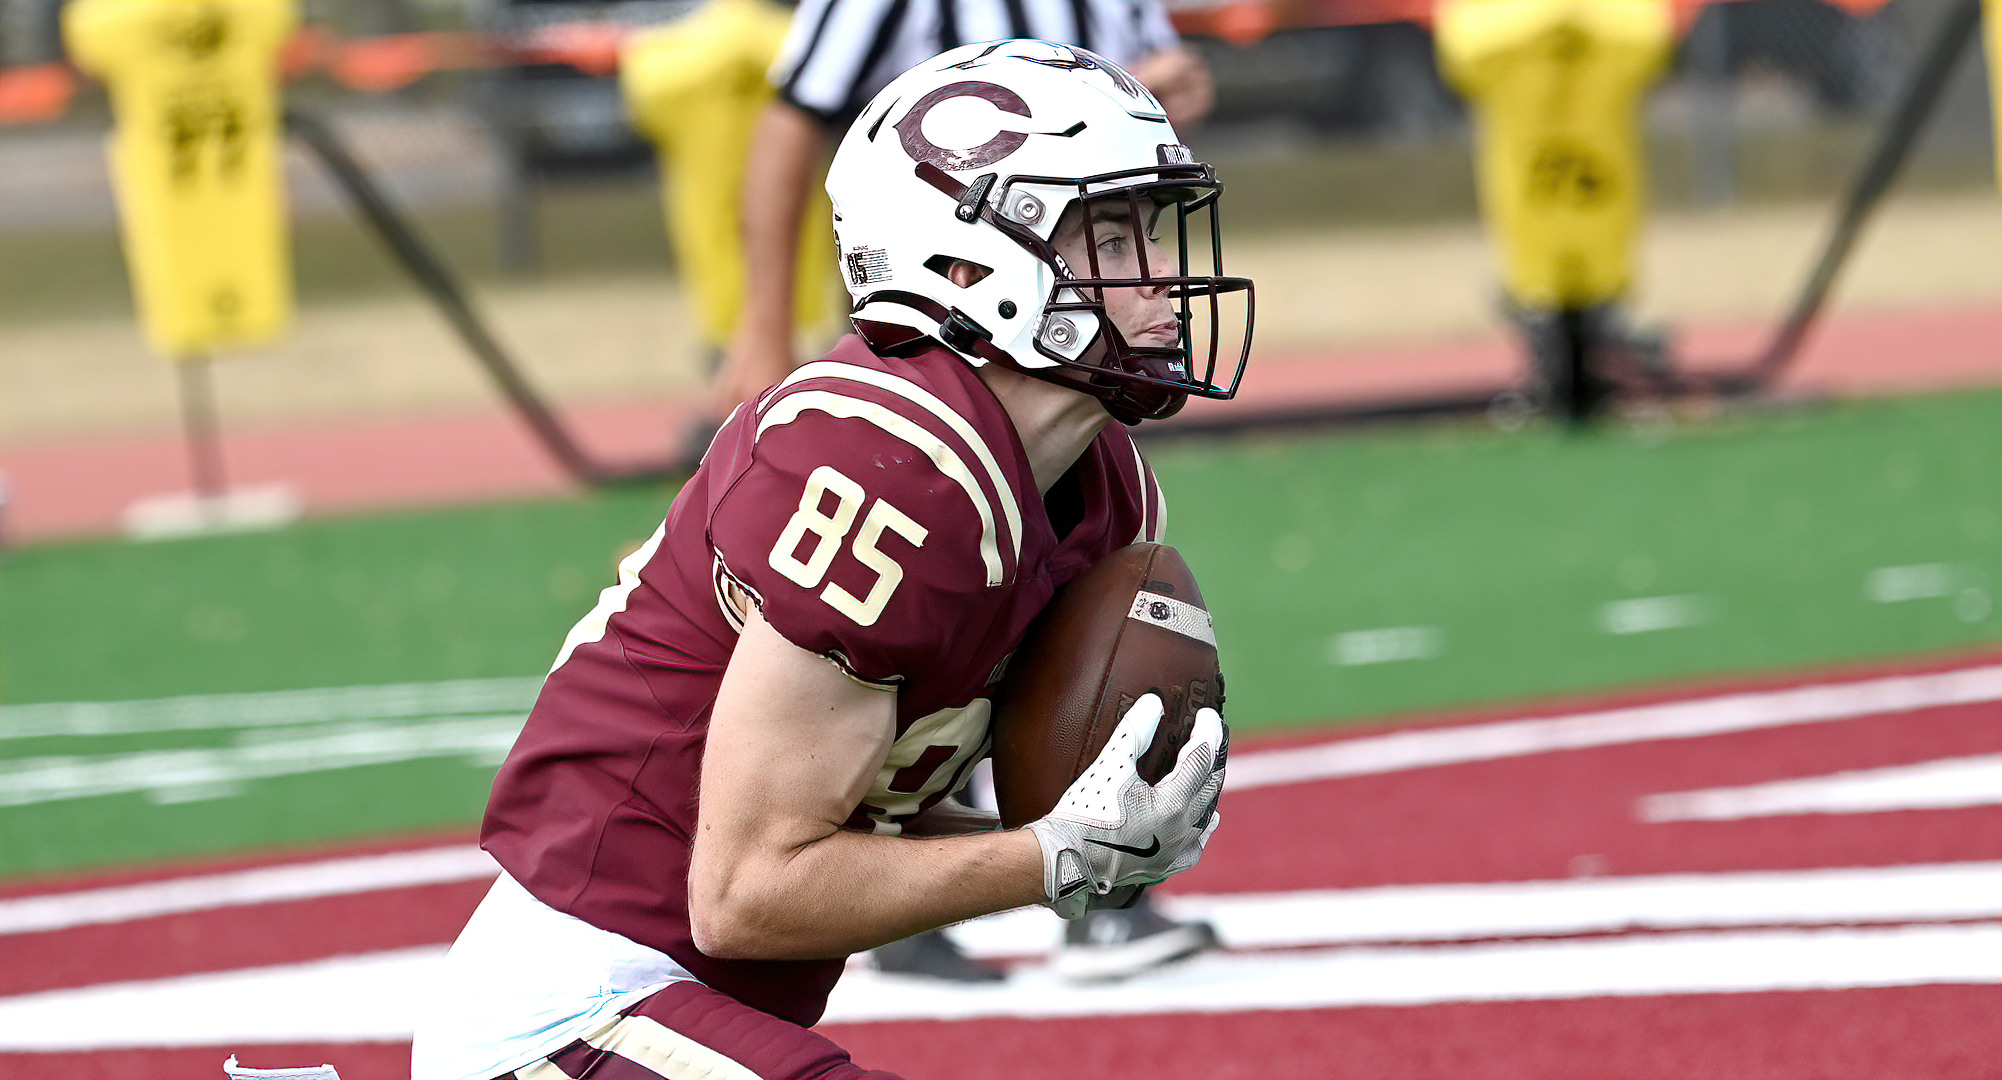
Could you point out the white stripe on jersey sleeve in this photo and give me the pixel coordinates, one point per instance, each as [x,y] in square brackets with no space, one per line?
[612,600]
[1140,481]
[788,408]
[1154,522]
[918,395]
[1160,511]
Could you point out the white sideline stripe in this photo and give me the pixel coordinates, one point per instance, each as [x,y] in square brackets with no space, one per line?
[1244,921]
[1403,913]
[271,709]
[1696,963]
[1011,509]
[371,997]
[379,997]
[264,885]
[788,408]
[1668,720]
[1948,783]
[188,775]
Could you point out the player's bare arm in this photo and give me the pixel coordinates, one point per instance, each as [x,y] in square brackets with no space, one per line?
[792,747]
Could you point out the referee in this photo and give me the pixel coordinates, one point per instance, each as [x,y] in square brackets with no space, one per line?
[837,55]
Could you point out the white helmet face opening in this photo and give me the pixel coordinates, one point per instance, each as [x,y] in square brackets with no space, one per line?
[1027,204]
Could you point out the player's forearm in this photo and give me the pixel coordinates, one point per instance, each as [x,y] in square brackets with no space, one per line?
[778,177]
[851,891]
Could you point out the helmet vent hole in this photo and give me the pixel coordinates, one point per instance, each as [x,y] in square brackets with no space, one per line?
[961,272]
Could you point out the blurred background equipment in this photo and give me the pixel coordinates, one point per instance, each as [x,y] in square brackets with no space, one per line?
[194,160]
[1556,87]
[1993,21]
[556,109]
[194,156]
[441,285]
[695,89]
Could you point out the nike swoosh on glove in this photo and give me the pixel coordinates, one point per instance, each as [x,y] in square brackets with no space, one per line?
[1113,829]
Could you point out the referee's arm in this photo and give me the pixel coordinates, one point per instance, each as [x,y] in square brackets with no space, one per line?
[788,144]
[819,72]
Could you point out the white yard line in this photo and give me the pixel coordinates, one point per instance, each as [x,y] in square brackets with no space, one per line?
[1401,913]
[1924,581]
[1948,783]
[1669,720]
[380,997]
[1648,614]
[300,881]
[1385,645]
[274,709]
[169,776]
[430,720]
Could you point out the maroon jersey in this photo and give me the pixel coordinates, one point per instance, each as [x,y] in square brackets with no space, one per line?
[879,512]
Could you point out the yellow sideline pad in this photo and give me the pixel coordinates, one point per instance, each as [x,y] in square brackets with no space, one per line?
[196,162]
[695,88]
[1556,87]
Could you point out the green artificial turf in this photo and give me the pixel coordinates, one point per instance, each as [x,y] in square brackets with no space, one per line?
[1507,548]
[408,597]
[1501,549]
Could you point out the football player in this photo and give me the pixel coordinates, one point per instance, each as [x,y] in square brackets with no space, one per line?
[736,773]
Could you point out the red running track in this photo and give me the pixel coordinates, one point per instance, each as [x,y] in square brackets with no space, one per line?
[80,487]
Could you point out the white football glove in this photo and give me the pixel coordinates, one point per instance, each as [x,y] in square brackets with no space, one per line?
[1113,829]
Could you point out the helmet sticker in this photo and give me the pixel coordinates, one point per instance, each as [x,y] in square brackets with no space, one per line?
[867,265]
[911,128]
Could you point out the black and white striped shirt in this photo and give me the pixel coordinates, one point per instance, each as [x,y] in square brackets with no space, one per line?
[840,52]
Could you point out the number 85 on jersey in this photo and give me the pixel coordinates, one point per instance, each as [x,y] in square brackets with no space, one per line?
[824,533]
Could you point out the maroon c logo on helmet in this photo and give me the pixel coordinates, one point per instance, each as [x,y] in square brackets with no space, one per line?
[910,130]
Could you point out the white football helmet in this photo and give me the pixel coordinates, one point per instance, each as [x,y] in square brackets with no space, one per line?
[975,156]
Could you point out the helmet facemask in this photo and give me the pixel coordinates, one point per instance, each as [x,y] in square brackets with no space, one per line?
[1141,246]
[948,195]
[1152,259]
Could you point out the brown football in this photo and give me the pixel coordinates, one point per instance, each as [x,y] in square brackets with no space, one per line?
[1132,624]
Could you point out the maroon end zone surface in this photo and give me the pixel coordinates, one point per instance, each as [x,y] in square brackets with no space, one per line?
[1929,1031]
[1510,819]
